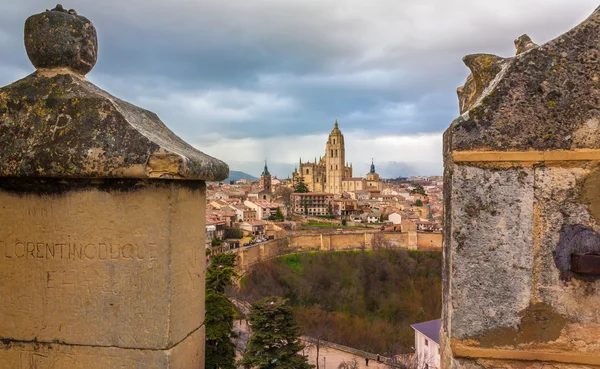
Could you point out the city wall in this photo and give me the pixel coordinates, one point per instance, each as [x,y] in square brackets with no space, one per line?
[431,241]
[337,242]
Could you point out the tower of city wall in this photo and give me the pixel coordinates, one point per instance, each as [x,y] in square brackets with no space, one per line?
[102,222]
[521,275]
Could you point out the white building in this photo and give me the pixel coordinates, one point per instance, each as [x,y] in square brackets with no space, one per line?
[395,218]
[427,344]
[265,209]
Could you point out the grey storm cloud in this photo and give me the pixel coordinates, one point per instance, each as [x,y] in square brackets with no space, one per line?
[257,69]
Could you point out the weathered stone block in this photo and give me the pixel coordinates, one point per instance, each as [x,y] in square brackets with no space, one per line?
[188,353]
[491,242]
[102,263]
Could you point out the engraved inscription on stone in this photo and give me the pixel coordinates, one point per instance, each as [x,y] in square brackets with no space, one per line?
[77,251]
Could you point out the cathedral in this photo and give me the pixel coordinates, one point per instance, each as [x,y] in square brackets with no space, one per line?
[331,173]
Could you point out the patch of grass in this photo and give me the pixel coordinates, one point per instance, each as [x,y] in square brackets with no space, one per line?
[243,281]
[293,261]
[327,225]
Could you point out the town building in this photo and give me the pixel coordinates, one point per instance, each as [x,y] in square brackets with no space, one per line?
[427,344]
[255,228]
[264,209]
[331,173]
[244,213]
[395,218]
[312,203]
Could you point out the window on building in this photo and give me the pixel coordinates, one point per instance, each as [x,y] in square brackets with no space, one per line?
[334,141]
[332,153]
[336,153]
[307,171]
[426,342]
[336,167]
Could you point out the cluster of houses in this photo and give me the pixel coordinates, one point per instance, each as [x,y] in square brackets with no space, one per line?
[249,207]
[392,205]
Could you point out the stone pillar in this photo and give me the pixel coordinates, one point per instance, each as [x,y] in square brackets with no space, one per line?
[102,223]
[522,208]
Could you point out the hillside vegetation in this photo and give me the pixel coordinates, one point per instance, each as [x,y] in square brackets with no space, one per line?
[362,299]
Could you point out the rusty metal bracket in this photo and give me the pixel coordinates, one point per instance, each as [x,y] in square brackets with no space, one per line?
[577,253]
[585,264]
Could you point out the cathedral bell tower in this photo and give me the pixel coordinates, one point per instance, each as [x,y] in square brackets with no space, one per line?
[335,159]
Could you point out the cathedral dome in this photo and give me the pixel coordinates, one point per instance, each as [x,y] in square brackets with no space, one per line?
[335,129]
[335,132]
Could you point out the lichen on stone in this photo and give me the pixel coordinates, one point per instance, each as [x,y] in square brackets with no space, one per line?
[519,99]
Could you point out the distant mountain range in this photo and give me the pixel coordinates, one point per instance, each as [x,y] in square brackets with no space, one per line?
[235,175]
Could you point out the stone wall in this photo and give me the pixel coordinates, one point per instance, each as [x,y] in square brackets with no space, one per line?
[522,185]
[427,240]
[308,242]
[250,255]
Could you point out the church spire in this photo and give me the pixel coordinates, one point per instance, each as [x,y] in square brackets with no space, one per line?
[372,171]
[335,125]
[266,170]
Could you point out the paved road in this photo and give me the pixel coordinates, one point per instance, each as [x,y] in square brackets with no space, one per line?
[333,358]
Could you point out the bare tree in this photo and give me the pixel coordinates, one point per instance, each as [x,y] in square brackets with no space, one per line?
[411,361]
[350,364]
[319,332]
[363,246]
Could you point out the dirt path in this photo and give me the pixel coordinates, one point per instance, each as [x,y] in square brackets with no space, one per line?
[334,357]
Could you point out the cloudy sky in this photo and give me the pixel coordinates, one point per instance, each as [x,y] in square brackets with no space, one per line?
[245,80]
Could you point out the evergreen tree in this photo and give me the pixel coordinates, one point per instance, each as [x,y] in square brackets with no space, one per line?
[418,202]
[278,216]
[220,350]
[300,185]
[419,190]
[274,342]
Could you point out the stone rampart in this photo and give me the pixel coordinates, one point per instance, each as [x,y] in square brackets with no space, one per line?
[247,256]
[426,240]
[308,242]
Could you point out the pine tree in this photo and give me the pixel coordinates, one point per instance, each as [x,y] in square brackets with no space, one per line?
[220,350]
[418,190]
[278,216]
[274,342]
[300,185]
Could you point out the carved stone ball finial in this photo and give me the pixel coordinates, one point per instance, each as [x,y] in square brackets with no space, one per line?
[60,38]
